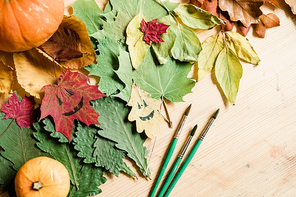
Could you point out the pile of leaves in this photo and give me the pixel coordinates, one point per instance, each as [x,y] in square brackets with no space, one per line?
[142,52]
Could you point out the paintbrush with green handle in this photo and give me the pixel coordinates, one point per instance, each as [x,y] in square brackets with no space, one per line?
[190,155]
[176,164]
[170,152]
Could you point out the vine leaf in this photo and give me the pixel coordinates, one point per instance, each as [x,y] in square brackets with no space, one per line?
[107,58]
[145,111]
[18,144]
[228,71]
[22,112]
[100,151]
[69,100]
[116,128]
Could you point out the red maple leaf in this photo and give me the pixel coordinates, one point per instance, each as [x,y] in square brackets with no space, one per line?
[152,31]
[22,112]
[69,100]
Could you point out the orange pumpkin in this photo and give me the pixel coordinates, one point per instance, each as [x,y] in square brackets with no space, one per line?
[25,24]
[42,177]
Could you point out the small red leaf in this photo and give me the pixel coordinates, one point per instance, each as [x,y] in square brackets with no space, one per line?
[22,112]
[242,29]
[69,100]
[152,31]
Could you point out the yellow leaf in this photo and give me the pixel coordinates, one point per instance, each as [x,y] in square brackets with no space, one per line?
[207,57]
[35,71]
[6,78]
[145,112]
[228,71]
[241,46]
[136,46]
[3,98]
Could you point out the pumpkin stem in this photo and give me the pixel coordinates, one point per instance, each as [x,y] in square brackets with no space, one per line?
[37,185]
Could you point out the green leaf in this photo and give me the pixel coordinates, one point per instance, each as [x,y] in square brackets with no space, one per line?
[211,48]
[62,152]
[163,49]
[170,5]
[242,47]
[169,80]
[89,179]
[98,150]
[125,74]
[18,144]
[49,126]
[187,45]
[197,18]
[107,58]
[136,45]
[228,71]
[7,173]
[116,128]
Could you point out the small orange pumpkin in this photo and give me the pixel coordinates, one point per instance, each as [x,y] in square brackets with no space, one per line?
[42,177]
[25,24]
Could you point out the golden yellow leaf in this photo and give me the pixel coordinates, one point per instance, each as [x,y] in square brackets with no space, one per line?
[145,112]
[34,71]
[3,98]
[6,78]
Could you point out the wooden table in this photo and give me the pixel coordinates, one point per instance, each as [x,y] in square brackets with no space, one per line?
[250,150]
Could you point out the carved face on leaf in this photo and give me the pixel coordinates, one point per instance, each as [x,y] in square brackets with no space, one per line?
[145,112]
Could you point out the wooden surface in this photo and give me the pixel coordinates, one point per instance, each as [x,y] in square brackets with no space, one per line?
[250,150]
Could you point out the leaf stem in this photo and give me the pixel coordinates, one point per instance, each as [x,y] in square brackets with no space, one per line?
[7,127]
[166,112]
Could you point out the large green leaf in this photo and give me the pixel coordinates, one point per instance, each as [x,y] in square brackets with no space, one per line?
[125,74]
[242,47]
[98,150]
[136,45]
[7,173]
[90,178]
[228,71]
[187,45]
[163,49]
[18,144]
[63,152]
[169,80]
[197,18]
[211,48]
[107,58]
[115,127]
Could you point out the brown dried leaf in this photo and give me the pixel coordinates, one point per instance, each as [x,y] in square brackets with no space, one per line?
[71,45]
[242,29]
[211,6]
[7,58]
[246,11]
[273,2]
[35,71]
[6,78]
[270,20]
[3,98]
[197,3]
[260,29]
[229,24]
[292,4]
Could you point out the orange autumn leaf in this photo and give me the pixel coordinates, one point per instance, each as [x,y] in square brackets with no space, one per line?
[270,20]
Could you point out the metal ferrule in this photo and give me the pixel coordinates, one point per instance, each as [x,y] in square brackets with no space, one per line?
[207,129]
[182,153]
[178,133]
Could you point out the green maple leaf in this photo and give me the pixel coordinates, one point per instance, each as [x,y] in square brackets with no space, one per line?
[7,173]
[98,150]
[116,128]
[90,178]
[107,60]
[168,80]
[62,152]
[18,144]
